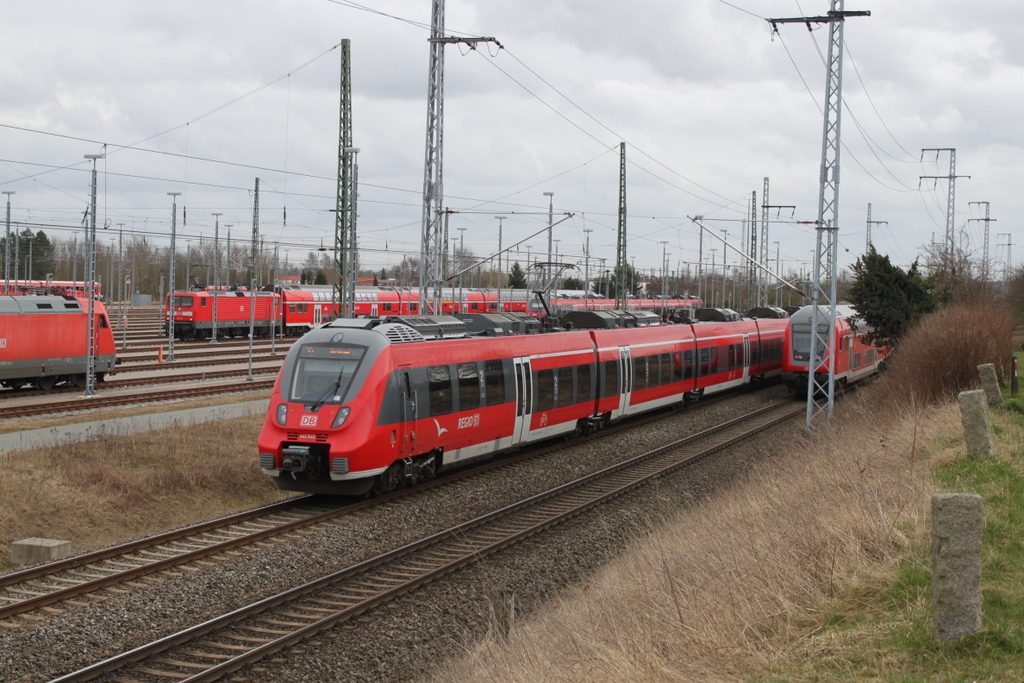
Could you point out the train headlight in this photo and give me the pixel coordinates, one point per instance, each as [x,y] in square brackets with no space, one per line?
[340,418]
[282,414]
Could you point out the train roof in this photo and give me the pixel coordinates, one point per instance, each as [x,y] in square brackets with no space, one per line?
[20,305]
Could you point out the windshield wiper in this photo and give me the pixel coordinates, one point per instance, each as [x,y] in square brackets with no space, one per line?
[315,406]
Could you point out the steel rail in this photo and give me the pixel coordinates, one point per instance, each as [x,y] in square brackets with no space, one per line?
[94,402]
[123,550]
[113,578]
[367,584]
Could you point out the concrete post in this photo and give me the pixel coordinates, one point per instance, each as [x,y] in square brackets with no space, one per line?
[38,551]
[990,384]
[977,430]
[957,524]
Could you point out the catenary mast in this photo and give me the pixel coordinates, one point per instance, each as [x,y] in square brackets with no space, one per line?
[821,391]
[431,248]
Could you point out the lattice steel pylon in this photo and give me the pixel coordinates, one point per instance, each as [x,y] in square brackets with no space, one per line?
[254,247]
[620,243]
[950,197]
[821,385]
[763,283]
[431,248]
[340,294]
[753,275]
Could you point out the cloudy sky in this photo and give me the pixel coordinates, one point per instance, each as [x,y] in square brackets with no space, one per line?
[203,97]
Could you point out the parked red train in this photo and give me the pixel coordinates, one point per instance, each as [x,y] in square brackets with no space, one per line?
[194,313]
[852,357]
[372,403]
[44,341]
[57,287]
[301,308]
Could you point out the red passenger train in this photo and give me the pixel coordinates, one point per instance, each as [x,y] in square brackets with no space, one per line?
[853,358]
[56,287]
[44,341]
[369,404]
[300,308]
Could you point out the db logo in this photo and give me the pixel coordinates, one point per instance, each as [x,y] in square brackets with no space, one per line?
[309,421]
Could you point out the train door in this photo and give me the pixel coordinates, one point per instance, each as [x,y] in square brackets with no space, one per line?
[317,315]
[746,358]
[373,309]
[524,400]
[407,424]
[625,382]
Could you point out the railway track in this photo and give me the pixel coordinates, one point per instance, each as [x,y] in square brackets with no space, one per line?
[50,584]
[94,402]
[225,644]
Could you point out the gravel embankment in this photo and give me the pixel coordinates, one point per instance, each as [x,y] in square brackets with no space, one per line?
[400,641]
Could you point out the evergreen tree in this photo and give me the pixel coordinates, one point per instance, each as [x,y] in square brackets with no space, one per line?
[516,277]
[320,278]
[573,283]
[42,255]
[887,298]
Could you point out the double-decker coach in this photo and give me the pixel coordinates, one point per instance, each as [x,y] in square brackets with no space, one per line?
[853,358]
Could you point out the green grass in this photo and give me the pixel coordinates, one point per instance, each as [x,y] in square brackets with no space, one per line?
[885,633]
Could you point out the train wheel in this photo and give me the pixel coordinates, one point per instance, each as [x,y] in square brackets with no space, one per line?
[46,383]
[78,380]
[388,480]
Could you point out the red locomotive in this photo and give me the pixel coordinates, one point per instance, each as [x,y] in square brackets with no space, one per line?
[194,313]
[372,403]
[853,358]
[44,341]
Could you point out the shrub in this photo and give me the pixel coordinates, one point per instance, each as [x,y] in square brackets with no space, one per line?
[939,357]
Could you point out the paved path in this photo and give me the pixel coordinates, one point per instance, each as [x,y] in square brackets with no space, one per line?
[52,436]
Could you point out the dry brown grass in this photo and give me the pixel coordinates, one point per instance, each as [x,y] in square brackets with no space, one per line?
[939,357]
[719,592]
[100,492]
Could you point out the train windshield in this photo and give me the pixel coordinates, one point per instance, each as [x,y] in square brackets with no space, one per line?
[182,302]
[802,338]
[324,372]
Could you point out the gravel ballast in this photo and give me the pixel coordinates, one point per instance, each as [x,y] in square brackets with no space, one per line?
[401,640]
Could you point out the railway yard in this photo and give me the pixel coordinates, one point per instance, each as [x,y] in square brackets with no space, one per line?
[401,585]
[379,589]
[146,374]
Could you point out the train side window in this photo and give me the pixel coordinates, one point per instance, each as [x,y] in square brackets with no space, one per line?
[666,368]
[202,303]
[687,364]
[469,386]
[545,390]
[639,373]
[412,308]
[755,352]
[611,378]
[565,386]
[440,386]
[704,367]
[101,320]
[677,366]
[494,382]
[583,383]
